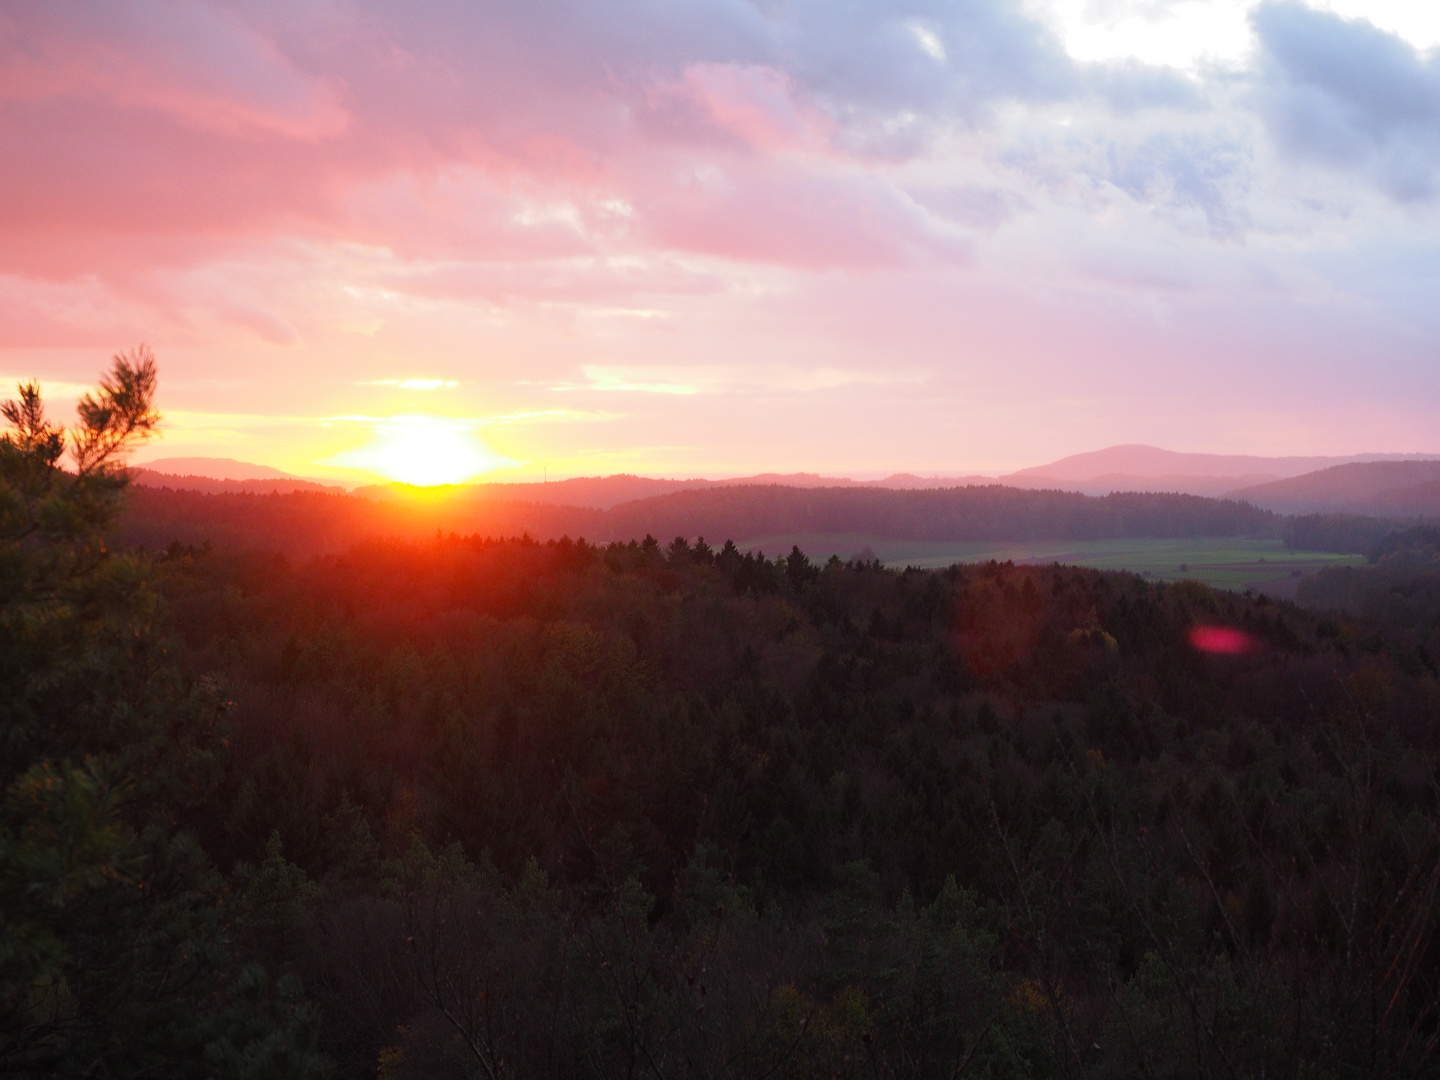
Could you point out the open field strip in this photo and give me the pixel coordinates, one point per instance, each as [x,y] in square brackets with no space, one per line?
[1221,562]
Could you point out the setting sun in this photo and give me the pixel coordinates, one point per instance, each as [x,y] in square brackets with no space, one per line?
[423,450]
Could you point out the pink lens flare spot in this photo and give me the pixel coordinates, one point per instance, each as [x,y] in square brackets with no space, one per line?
[1222,639]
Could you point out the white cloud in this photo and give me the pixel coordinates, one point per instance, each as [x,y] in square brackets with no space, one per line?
[731,378]
[1176,33]
[413,384]
[1188,34]
[929,42]
[1417,21]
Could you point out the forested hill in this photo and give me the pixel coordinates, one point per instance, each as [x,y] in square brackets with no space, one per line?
[992,512]
[584,806]
[309,523]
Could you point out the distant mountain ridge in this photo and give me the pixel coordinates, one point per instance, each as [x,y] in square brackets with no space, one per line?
[207,485]
[215,468]
[1137,467]
[606,492]
[1381,488]
[1213,487]
[1129,467]
[211,475]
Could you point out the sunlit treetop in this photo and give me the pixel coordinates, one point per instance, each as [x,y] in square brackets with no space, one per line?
[37,493]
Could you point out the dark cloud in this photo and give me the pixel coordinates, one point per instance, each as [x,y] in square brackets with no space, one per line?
[1350,95]
[1184,173]
[862,60]
[926,56]
[1129,86]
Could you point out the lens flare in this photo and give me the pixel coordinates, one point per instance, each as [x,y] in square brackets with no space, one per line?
[423,450]
[1222,639]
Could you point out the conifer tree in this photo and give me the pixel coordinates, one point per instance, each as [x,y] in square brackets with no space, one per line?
[115,953]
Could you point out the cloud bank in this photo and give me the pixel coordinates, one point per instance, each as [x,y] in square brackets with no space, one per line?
[312,200]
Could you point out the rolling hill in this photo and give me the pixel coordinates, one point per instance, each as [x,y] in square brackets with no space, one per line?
[281,485]
[215,468]
[1137,467]
[1132,468]
[1381,488]
[606,492]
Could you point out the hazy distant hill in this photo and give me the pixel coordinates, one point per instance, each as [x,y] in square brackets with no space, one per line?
[605,492]
[215,468]
[896,481]
[1131,468]
[1149,468]
[594,492]
[1386,488]
[283,484]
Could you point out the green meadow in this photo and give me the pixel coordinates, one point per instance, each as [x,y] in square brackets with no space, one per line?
[1222,562]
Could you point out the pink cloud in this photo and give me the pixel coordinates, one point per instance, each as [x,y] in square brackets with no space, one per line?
[747,106]
[196,63]
[793,215]
[82,312]
[564,281]
[154,133]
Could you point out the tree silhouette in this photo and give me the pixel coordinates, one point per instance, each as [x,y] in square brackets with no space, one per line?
[114,958]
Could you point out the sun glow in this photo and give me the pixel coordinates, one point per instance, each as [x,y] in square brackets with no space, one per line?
[423,450]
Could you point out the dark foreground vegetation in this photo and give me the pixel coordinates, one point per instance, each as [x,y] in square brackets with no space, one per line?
[1401,589]
[500,808]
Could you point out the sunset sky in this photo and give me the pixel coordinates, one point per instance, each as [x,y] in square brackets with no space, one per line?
[712,237]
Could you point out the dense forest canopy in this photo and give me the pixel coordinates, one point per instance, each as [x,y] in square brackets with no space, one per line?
[999,811]
[472,806]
